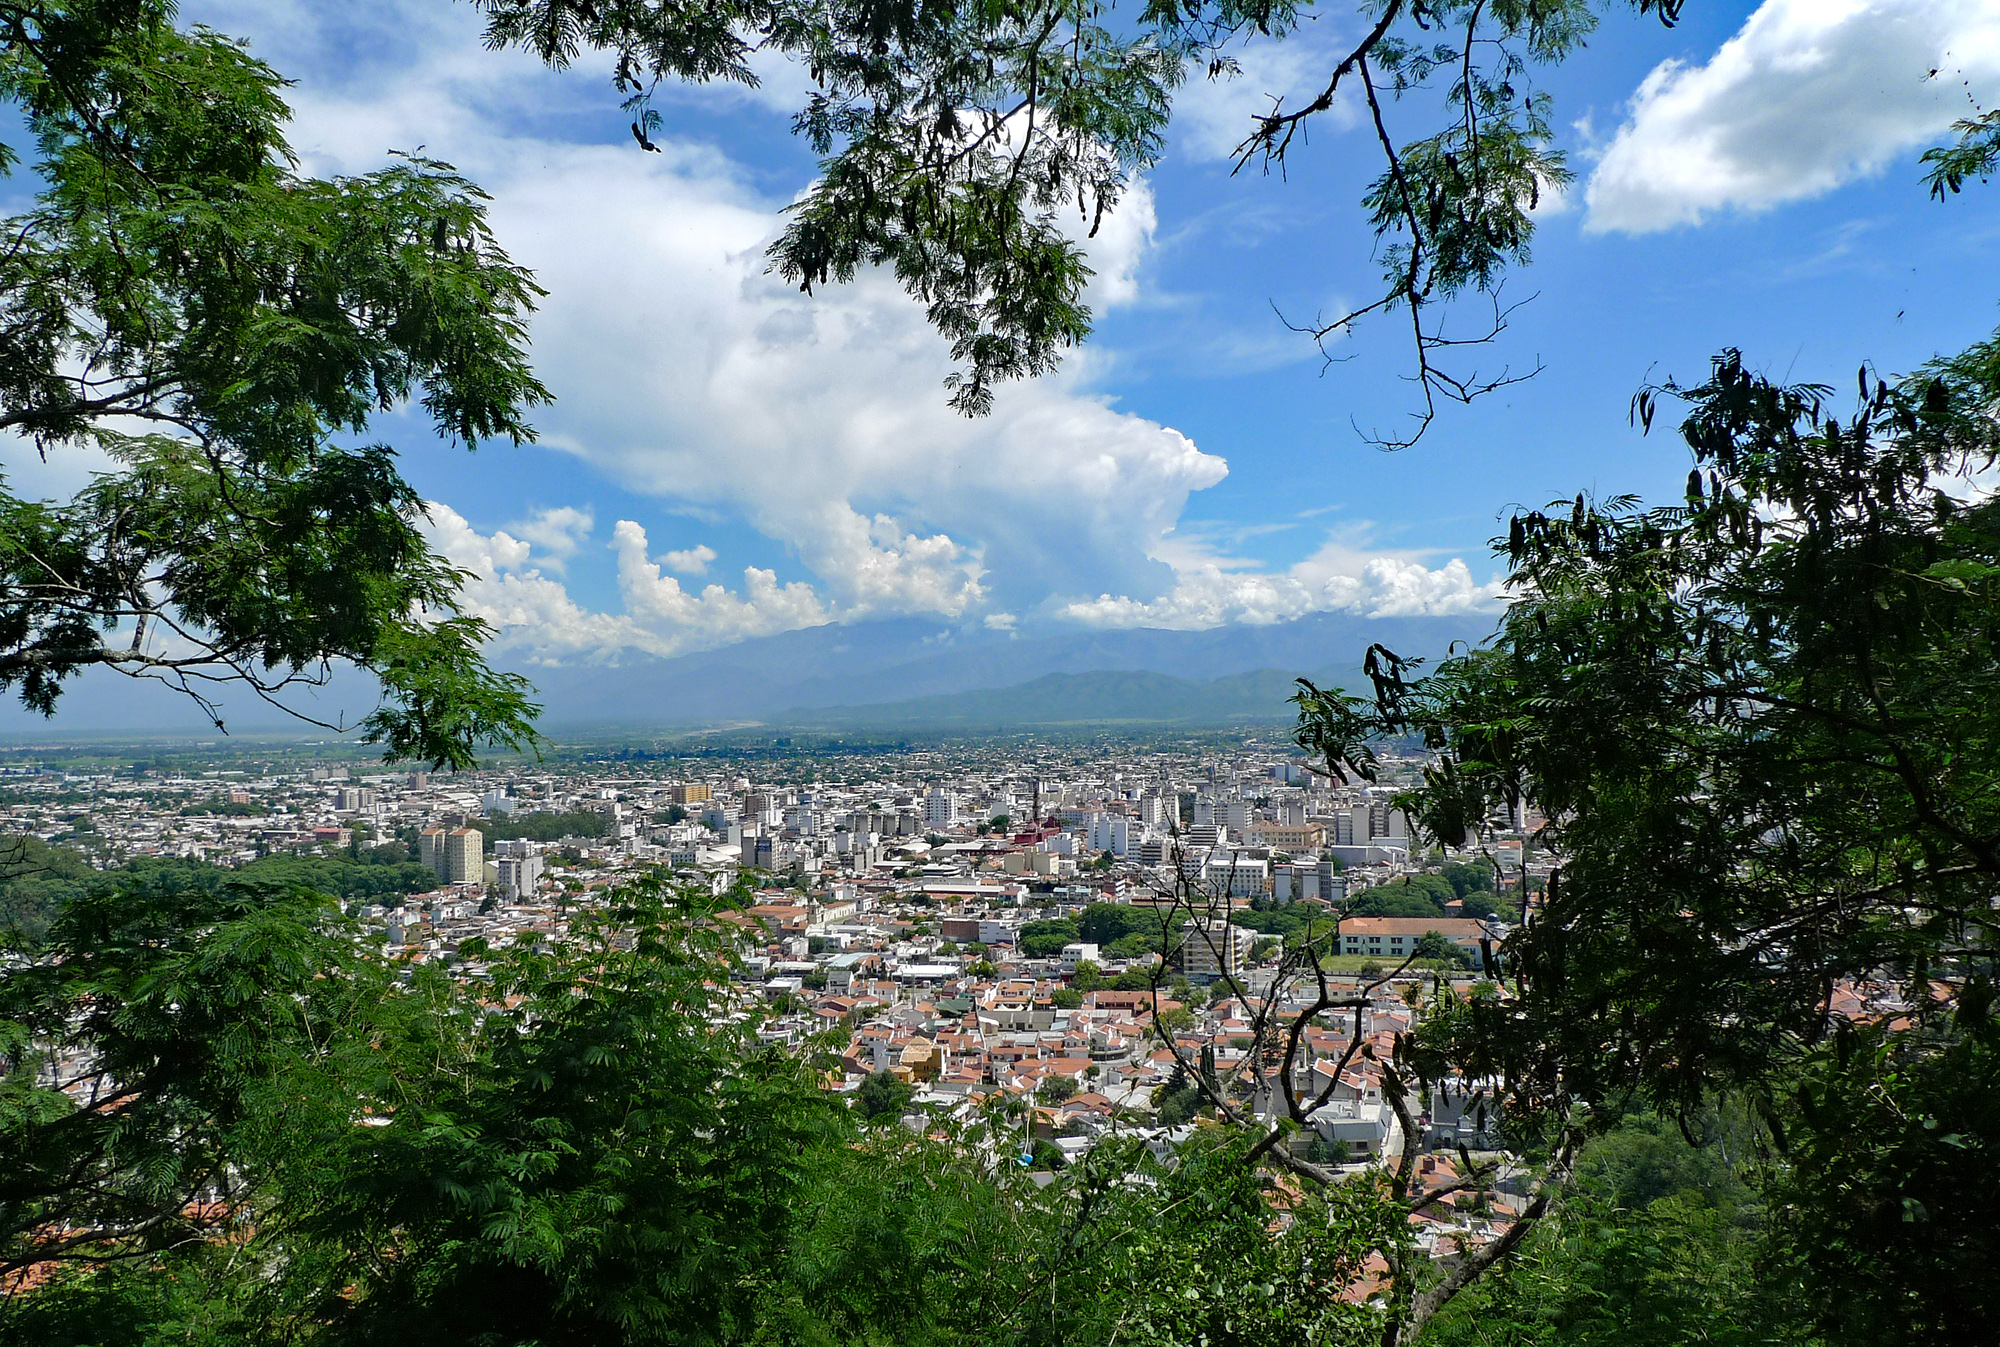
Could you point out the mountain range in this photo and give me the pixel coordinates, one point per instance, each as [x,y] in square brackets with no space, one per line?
[907,671]
[1101,698]
[901,672]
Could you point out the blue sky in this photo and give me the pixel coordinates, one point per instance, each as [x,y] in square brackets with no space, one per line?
[728,458]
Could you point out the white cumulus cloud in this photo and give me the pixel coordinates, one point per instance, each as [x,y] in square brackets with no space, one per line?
[535,617]
[684,372]
[532,614]
[1808,95]
[691,561]
[685,621]
[1336,579]
[555,534]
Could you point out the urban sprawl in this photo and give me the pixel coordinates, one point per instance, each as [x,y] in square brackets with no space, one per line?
[971,924]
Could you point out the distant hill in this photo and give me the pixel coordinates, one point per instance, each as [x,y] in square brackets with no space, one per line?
[1104,697]
[887,663]
[901,660]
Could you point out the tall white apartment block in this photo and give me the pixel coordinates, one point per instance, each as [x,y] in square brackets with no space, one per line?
[1211,947]
[430,850]
[464,856]
[519,875]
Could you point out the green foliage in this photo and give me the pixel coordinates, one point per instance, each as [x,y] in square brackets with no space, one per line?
[543,827]
[181,1010]
[1320,1151]
[1056,1089]
[582,1149]
[1177,1101]
[36,879]
[905,1241]
[1881,1201]
[1066,998]
[1414,896]
[924,169]
[1291,922]
[1660,1243]
[1045,939]
[1122,930]
[1134,946]
[1762,724]
[1973,155]
[1811,577]
[602,1157]
[883,1095]
[1434,947]
[224,329]
[1467,879]
[1674,1273]
[952,142]
[1484,905]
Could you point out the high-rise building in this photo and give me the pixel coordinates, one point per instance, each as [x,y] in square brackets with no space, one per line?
[694,792]
[1114,833]
[940,808]
[430,850]
[519,874]
[1235,875]
[1211,946]
[464,856]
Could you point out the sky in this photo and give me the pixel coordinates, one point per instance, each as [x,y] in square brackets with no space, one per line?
[728,458]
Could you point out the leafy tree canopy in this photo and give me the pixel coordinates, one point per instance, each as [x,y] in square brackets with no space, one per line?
[1761,723]
[1044,939]
[1415,896]
[543,827]
[225,329]
[971,151]
[883,1095]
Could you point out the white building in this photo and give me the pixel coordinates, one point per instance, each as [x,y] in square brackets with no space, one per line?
[1236,875]
[1072,955]
[940,808]
[455,857]
[518,867]
[1209,948]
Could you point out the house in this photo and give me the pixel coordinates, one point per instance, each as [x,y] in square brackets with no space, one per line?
[1395,938]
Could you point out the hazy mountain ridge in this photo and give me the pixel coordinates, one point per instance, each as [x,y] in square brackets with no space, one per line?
[906,659]
[889,662]
[1101,697]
